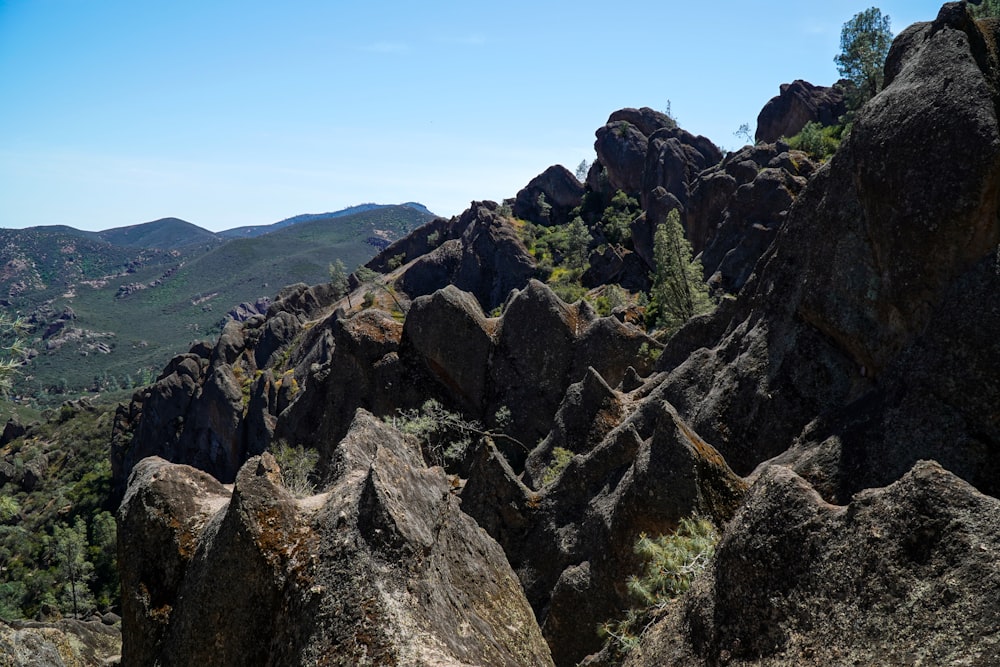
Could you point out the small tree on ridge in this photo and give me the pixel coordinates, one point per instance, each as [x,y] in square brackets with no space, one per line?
[864,45]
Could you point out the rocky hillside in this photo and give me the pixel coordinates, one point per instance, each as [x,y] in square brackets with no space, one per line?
[835,416]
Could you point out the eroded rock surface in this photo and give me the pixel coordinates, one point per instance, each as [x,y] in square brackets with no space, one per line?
[902,575]
[381,568]
[63,643]
[798,103]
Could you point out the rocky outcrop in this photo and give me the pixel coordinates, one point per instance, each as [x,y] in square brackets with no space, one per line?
[621,152]
[937,400]
[246,310]
[60,643]
[639,150]
[861,338]
[798,103]
[674,158]
[419,242]
[731,207]
[487,259]
[381,568]
[809,338]
[215,406]
[522,362]
[737,207]
[902,575]
[570,541]
[548,198]
[345,364]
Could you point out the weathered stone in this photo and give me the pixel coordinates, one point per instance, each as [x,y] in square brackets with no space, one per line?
[571,541]
[589,410]
[561,191]
[798,103]
[488,260]
[903,575]
[448,332]
[382,568]
[59,643]
[908,216]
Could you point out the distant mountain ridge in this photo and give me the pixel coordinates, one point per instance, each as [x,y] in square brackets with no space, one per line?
[162,234]
[259,230]
[107,308]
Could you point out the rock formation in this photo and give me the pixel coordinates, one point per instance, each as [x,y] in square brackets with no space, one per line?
[904,574]
[861,339]
[380,568]
[481,255]
[798,103]
[559,191]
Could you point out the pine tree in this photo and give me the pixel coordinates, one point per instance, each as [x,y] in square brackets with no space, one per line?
[69,546]
[578,243]
[679,292]
[864,45]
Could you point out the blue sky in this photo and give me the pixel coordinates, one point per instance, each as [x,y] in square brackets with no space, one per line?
[237,113]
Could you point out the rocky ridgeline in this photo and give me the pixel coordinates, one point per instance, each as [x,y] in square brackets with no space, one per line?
[838,418]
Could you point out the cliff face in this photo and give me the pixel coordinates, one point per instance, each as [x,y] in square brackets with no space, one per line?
[863,339]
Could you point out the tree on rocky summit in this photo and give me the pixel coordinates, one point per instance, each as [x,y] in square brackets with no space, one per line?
[679,291]
[339,281]
[864,45]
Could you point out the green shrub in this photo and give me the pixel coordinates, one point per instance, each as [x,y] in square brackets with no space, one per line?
[612,297]
[297,467]
[446,436]
[9,508]
[617,218]
[670,565]
[819,141]
[560,459]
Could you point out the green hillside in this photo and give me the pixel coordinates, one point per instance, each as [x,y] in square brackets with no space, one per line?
[156,303]
[163,234]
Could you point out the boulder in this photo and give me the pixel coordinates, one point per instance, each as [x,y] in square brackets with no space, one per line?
[621,151]
[449,334]
[246,310]
[798,103]
[902,575]
[562,193]
[381,568]
[674,158]
[12,430]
